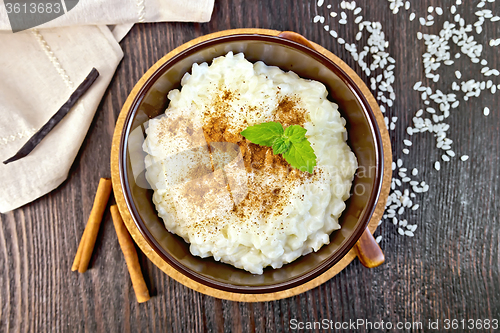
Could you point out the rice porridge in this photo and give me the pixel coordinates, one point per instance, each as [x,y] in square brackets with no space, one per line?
[234,200]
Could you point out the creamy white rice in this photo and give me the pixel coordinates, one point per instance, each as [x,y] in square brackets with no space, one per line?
[217,196]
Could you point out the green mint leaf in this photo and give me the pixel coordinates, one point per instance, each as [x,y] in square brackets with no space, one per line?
[281,145]
[264,134]
[295,133]
[291,143]
[301,156]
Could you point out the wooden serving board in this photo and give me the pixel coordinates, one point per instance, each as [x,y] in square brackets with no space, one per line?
[173,273]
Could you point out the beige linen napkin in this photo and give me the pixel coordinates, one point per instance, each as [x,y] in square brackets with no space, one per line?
[39,71]
[106,12]
[40,68]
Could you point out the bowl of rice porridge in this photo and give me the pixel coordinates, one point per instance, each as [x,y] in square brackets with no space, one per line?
[245,213]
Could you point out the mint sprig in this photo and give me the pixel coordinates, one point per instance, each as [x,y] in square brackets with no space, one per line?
[291,143]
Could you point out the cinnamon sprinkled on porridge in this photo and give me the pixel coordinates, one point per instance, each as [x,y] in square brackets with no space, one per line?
[235,200]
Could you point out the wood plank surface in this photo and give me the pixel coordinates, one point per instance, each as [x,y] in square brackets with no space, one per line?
[449,270]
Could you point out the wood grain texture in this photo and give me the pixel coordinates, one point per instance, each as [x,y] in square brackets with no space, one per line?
[450,269]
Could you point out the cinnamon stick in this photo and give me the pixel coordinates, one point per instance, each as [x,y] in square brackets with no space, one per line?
[78,256]
[130,254]
[93,223]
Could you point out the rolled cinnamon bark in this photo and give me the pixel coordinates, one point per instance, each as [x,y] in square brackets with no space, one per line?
[93,224]
[78,256]
[130,254]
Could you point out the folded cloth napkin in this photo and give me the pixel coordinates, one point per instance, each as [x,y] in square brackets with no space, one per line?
[112,12]
[40,68]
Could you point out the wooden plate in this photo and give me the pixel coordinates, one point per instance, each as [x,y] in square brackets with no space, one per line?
[169,270]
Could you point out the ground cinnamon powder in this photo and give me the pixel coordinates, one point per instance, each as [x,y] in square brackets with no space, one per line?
[262,196]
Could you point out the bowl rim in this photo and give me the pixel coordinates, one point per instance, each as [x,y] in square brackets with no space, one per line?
[327,263]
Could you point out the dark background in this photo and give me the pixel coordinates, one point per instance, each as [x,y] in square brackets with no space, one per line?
[450,269]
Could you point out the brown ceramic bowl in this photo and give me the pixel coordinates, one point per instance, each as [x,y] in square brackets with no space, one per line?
[364,140]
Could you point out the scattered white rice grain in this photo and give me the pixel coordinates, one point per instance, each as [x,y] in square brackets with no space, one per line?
[407,142]
[409,233]
[486,111]
[320,3]
[406,151]
[318,18]
[458,74]
[445,158]
[464,157]
[333,33]
[379,238]
[333,14]
[437,166]
[400,163]
[415,207]
[412,16]
[341,41]
[439,11]
[401,231]
[357,11]
[342,21]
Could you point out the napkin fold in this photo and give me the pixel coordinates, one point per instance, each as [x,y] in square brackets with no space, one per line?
[40,69]
[112,12]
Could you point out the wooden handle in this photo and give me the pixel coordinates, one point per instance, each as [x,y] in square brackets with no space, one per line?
[295,37]
[369,253]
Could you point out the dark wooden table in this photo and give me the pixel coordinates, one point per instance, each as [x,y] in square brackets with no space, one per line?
[449,270]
